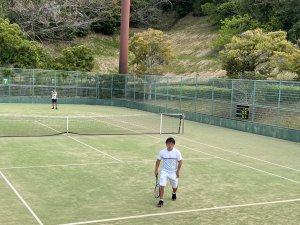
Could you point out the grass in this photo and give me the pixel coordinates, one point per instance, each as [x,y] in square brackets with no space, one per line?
[191,37]
[228,177]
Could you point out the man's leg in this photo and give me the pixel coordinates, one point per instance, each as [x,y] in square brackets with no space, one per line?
[162,183]
[174,194]
[161,195]
[161,192]
[174,183]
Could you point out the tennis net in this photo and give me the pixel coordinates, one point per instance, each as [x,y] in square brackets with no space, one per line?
[34,126]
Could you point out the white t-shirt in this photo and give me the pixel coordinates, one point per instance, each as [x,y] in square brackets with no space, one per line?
[170,159]
[54,94]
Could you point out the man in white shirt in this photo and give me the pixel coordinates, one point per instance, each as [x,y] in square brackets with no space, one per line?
[54,98]
[172,161]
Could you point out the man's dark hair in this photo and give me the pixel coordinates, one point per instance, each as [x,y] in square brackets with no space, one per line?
[170,139]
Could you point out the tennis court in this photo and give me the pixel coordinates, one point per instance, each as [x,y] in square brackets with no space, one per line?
[227,177]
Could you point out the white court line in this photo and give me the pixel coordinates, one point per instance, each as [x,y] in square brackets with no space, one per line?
[227,160]
[58,165]
[184,211]
[95,149]
[21,199]
[83,143]
[244,165]
[87,164]
[247,156]
[240,164]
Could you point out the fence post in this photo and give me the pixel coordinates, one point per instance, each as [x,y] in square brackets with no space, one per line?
[76,83]
[253,101]
[231,100]
[212,98]
[278,105]
[167,94]
[97,86]
[180,97]
[32,85]
[111,87]
[155,90]
[196,95]
[145,78]
[9,82]
[125,87]
[134,88]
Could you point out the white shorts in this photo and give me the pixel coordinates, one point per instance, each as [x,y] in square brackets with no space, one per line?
[165,177]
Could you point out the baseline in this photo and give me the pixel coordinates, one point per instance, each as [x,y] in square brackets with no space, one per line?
[184,211]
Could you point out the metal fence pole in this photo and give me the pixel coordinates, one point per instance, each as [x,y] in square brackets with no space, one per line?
[167,94]
[231,99]
[278,105]
[155,78]
[180,97]
[33,84]
[76,84]
[196,95]
[134,88]
[253,101]
[212,98]
[145,78]
[111,87]
[125,86]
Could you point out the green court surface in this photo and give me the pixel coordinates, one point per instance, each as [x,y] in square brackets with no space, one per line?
[228,177]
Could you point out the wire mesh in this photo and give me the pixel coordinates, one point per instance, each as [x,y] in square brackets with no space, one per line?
[274,103]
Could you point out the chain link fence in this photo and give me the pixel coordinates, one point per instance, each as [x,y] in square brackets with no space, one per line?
[270,108]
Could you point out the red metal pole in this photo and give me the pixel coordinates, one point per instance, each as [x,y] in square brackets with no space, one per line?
[124,36]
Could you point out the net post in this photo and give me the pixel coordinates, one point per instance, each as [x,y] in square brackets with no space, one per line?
[160,128]
[182,131]
[67,125]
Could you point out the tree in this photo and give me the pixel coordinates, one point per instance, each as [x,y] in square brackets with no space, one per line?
[76,58]
[16,50]
[62,19]
[255,55]
[151,49]
[294,33]
[234,26]
[287,63]
[219,11]
[147,13]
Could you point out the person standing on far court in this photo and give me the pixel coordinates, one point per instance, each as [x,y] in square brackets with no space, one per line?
[54,98]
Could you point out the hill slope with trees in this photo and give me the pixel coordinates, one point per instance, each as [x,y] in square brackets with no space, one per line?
[205,34]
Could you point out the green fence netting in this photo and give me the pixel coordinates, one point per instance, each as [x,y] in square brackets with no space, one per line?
[270,108]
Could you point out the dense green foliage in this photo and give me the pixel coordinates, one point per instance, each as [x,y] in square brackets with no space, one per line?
[270,15]
[76,58]
[234,26]
[151,49]
[61,20]
[16,50]
[259,55]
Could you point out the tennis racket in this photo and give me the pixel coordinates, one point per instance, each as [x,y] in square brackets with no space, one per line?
[156,188]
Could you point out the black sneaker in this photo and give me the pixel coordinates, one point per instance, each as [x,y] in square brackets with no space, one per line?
[173,196]
[160,203]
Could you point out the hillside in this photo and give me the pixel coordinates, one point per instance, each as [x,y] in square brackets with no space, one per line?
[191,38]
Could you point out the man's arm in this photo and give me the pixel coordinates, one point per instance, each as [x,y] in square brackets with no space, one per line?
[178,168]
[156,167]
